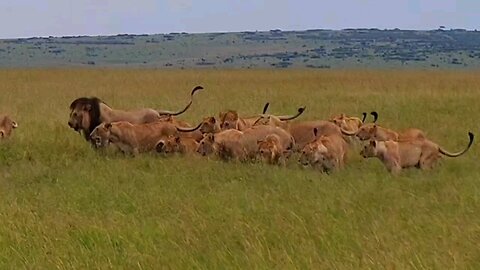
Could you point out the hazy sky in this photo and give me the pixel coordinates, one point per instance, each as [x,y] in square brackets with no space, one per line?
[26,18]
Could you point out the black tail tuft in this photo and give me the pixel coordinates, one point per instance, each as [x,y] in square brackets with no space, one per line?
[375,116]
[364,114]
[265,108]
[196,89]
[471,136]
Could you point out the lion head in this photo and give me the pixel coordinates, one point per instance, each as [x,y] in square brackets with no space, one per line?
[316,154]
[228,120]
[370,150]
[339,120]
[366,131]
[206,145]
[209,125]
[85,115]
[100,136]
[169,145]
[313,153]
[268,149]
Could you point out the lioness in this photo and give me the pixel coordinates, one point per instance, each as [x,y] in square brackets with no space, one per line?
[130,138]
[7,125]
[176,144]
[230,119]
[302,131]
[225,144]
[422,154]
[241,145]
[327,153]
[375,132]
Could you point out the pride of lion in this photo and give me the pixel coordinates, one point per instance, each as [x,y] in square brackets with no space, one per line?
[321,144]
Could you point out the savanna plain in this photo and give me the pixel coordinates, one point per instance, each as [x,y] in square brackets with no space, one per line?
[64,205]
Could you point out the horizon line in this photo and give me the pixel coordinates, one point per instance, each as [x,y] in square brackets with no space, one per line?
[440,28]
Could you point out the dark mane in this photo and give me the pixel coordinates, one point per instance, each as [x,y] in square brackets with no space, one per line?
[94,112]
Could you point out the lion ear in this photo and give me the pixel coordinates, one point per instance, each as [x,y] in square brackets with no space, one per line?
[14,124]
[108,125]
[259,141]
[373,143]
[2,134]
[212,120]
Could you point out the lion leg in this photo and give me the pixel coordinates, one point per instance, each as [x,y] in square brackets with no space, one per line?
[282,160]
[394,168]
[135,152]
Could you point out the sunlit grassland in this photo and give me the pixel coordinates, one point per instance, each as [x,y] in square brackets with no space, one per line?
[63,205]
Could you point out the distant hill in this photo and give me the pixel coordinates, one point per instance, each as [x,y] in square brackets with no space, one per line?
[348,48]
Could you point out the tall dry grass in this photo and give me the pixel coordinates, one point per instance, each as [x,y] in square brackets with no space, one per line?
[63,205]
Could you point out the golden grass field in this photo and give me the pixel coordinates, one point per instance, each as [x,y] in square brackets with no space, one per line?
[64,206]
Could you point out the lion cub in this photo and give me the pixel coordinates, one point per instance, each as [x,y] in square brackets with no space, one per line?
[422,154]
[271,150]
[175,144]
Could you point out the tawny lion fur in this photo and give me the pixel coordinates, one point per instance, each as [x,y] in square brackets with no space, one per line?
[131,138]
[7,125]
[396,155]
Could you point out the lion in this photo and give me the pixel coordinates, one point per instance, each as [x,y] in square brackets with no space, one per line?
[132,138]
[397,155]
[87,113]
[225,144]
[176,144]
[327,153]
[241,145]
[375,132]
[230,119]
[251,136]
[372,131]
[7,125]
[271,151]
[208,125]
[302,131]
